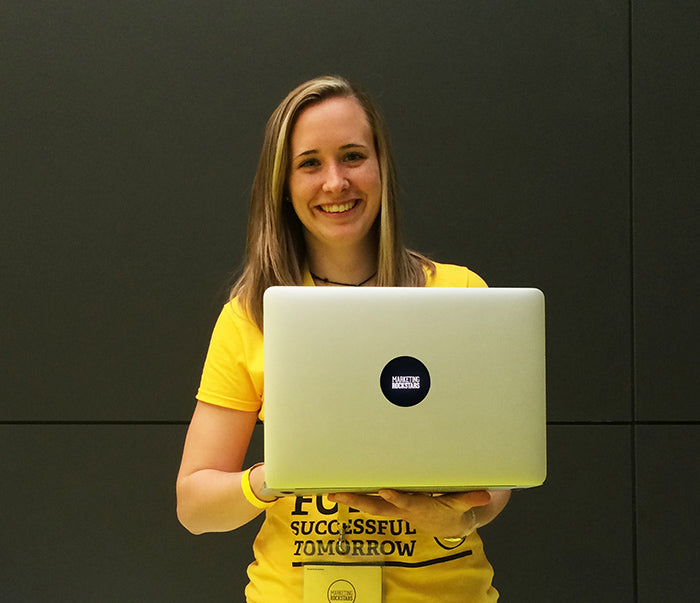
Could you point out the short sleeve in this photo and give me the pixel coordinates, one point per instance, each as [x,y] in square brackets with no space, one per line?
[233,370]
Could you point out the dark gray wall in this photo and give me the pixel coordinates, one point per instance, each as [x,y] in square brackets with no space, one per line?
[546,143]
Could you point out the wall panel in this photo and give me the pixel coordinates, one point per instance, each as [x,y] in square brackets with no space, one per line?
[571,539]
[134,136]
[89,514]
[666,93]
[667,494]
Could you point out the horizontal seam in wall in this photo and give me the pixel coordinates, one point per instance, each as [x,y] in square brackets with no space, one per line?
[634,423]
[185,423]
[94,422]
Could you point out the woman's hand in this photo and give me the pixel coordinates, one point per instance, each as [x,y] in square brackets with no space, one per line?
[443,516]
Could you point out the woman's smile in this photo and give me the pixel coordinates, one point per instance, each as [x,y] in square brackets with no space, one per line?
[338,208]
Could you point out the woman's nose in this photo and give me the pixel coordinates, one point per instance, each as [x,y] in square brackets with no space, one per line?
[335,180]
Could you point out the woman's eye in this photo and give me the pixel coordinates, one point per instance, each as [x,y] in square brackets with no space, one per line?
[354,156]
[312,162]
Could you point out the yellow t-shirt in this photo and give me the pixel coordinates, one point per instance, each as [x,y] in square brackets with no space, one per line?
[304,530]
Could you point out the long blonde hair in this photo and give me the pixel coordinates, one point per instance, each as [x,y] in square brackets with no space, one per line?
[275,247]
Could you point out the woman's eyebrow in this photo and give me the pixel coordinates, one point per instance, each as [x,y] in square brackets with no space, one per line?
[303,153]
[342,148]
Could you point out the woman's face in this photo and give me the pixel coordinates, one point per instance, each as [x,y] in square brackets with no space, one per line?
[334,180]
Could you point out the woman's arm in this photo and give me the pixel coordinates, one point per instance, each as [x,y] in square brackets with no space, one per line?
[209,494]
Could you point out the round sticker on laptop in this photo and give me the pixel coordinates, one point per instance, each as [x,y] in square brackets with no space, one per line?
[405,381]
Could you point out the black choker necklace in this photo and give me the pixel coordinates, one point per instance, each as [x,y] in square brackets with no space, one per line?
[330,282]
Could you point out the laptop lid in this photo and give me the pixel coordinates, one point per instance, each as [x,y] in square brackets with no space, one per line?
[417,389]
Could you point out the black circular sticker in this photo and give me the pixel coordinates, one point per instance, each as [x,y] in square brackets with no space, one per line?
[405,381]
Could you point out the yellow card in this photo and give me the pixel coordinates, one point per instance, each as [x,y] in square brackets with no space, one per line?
[342,584]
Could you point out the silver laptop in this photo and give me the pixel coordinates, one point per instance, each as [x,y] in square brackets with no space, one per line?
[416,389]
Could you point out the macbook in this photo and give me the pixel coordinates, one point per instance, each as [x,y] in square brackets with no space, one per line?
[415,389]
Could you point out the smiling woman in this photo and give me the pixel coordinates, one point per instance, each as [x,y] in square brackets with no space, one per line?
[276,247]
[323,212]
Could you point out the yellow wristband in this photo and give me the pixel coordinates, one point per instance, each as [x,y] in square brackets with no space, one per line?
[248,490]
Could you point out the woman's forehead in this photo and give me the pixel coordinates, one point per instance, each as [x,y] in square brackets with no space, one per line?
[335,121]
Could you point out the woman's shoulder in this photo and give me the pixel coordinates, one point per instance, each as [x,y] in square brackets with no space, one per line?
[452,275]
[235,317]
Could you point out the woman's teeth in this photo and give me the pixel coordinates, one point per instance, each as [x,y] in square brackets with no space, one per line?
[338,208]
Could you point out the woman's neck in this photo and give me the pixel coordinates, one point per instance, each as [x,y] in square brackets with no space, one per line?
[343,266]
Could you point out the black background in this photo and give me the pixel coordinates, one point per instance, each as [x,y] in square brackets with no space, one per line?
[547,143]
